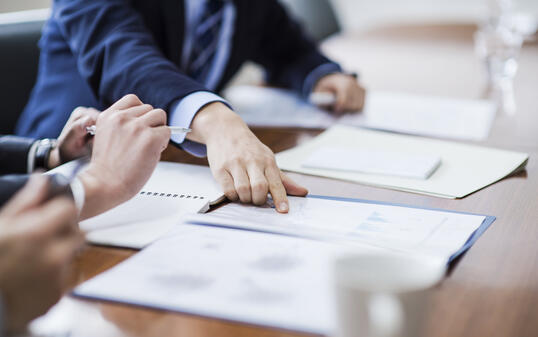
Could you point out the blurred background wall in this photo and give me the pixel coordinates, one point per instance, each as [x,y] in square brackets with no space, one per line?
[19,5]
[366,14]
[325,17]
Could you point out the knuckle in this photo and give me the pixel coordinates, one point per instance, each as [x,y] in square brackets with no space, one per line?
[260,186]
[270,160]
[131,99]
[147,108]
[139,125]
[78,112]
[245,198]
[231,194]
[243,189]
[162,115]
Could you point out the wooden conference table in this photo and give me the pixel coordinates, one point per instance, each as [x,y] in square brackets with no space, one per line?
[491,291]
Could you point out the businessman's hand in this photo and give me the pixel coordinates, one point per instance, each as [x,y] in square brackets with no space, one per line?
[74,142]
[245,168]
[128,143]
[38,239]
[349,94]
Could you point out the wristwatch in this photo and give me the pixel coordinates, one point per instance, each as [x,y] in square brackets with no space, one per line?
[42,153]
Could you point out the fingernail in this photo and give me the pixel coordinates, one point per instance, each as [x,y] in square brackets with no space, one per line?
[283,207]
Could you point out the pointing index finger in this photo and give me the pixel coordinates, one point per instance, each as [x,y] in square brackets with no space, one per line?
[277,190]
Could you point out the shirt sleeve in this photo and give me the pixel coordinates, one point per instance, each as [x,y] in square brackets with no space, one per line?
[183,111]
[79,194]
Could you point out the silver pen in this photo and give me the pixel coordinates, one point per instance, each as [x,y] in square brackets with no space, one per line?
[175,130]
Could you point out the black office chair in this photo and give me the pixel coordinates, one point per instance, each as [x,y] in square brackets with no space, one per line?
[317,16]
[19,57]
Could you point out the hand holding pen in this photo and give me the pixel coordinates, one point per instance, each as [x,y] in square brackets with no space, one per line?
[130,139]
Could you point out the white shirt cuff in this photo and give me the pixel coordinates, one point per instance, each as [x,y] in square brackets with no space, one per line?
[183,112]
[77,189]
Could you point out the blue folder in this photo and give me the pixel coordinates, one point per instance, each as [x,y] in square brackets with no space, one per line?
[488,220]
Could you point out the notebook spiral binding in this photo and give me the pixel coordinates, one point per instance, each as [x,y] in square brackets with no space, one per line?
[170,195]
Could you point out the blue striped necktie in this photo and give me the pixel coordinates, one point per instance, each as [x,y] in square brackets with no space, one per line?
[206,40]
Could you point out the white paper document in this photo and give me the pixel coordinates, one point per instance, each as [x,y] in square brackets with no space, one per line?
[464,168]
[253,265]
[173,191]
[256,278]
[410,165]
[429,233]
[423,115]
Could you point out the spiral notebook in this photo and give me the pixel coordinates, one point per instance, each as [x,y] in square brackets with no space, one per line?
[172,192]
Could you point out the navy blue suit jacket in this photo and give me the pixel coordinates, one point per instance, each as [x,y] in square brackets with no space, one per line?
[93,52]
[13,160]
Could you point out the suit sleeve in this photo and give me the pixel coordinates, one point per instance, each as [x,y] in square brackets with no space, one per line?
[117,54]
[9,185]
[58,185]
[288,55]
[14,154]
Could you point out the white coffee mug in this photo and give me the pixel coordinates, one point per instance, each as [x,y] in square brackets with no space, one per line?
[383,295]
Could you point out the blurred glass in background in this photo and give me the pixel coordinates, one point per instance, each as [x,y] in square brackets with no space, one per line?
[498,42]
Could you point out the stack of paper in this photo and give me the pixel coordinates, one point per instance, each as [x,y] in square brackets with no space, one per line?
[431,233]
[269,280]
[464,168]
[231,266]
[391,111]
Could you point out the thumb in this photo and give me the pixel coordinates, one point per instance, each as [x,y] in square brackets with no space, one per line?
[292,188]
